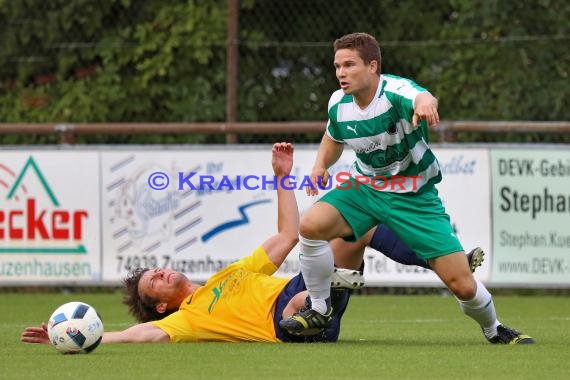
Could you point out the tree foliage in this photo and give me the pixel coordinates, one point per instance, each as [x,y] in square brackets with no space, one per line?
[129,61]
[485,60]
[112,60]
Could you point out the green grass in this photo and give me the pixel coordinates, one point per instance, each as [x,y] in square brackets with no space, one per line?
[383,337]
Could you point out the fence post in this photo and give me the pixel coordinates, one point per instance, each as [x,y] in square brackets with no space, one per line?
[232,60]
[444,133]
[65,133]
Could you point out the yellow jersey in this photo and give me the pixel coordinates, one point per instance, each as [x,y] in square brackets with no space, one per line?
[235,305]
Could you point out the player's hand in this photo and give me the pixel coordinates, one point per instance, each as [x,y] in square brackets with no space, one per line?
[319,177]
[282,158]
[35,335]
[425,107]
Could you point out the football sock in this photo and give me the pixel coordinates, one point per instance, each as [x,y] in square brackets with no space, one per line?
[317,265]
[482,310]
[385,241]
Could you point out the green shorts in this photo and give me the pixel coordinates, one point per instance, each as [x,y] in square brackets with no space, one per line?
[418,219]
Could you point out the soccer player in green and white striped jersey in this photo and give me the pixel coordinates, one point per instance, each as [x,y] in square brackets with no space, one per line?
[383,136]
[384,119]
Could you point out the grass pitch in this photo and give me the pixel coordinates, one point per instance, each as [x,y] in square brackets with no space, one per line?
[383,337]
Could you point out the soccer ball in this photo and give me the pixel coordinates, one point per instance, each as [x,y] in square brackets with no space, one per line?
[75,327]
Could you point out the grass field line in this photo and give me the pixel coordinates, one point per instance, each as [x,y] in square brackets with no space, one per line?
[408,321]
[445,320]
[123,325]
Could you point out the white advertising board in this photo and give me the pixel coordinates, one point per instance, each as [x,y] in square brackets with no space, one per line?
[89,216]
[197,231]
[49,219]
[531,216]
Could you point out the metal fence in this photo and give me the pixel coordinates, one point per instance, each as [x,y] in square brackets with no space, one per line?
[267,61]
[297,131]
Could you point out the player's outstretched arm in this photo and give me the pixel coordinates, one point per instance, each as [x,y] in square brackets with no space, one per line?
[35,334]
[141,333]
[329,153]
[425,107]
[279,245]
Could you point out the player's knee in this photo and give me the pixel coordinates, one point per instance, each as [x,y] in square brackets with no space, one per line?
[463,287]
[310,229]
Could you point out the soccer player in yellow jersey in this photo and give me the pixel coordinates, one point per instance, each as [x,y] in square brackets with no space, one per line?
[242,302]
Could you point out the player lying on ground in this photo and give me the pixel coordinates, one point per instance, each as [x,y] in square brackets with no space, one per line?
[242,302]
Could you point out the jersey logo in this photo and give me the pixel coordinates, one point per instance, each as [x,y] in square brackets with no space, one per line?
[353,129]
[217,294]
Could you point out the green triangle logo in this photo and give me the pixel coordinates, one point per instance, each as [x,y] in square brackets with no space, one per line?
[31,163]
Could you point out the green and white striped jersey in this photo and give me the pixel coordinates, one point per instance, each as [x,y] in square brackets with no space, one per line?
[383,137]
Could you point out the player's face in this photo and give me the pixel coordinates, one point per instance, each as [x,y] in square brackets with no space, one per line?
[165,285]
[354,76]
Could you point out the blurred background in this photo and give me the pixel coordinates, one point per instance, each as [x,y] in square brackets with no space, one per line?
[123,61]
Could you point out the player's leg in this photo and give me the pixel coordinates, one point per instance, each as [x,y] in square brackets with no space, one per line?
[321,223]
[386,241]
[295,304]
[339,213]
[339,302]
[430,234]
[290,301]
[295,298]
[349,255]
[474,299]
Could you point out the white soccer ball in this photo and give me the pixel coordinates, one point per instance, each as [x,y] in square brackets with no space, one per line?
[75,327]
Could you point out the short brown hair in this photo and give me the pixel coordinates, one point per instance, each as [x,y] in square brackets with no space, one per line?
[366,46]
[143,308]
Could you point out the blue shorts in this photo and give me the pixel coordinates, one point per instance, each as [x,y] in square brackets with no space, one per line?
[339,301]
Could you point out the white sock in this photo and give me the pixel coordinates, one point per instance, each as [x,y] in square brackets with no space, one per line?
[317,266]
[482,310]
